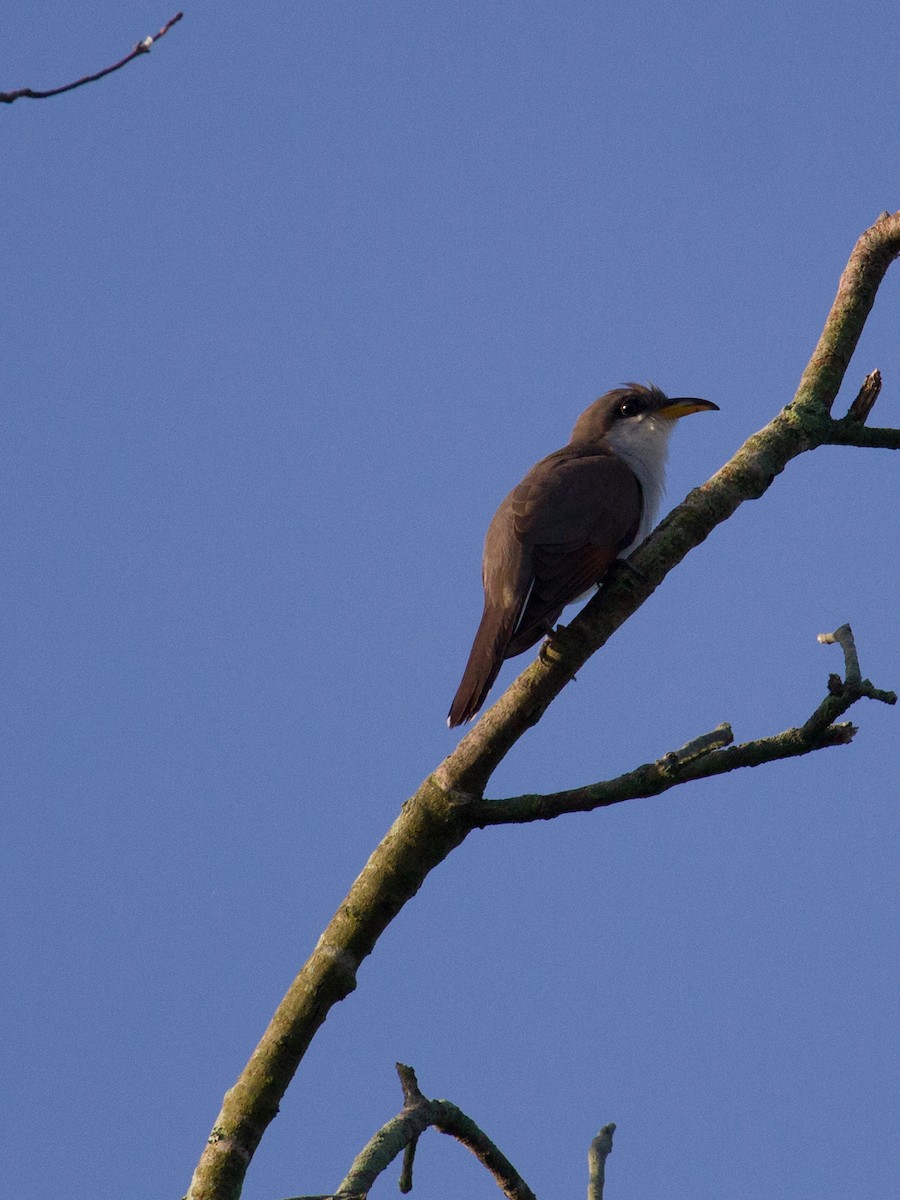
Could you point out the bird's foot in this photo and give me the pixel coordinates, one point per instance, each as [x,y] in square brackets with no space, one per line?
[622,567]
[547,643]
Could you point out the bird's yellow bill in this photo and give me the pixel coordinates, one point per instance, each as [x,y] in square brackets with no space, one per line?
[683,406]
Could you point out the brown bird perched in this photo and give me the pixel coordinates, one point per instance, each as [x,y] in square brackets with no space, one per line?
[556,535]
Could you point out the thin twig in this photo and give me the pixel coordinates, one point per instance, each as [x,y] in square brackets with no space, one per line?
[141,48]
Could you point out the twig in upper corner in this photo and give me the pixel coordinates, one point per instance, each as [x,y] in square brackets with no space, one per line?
[141,48]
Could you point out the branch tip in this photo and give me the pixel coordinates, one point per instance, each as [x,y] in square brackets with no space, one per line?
[873,693]
[405,1182]
[600,1150]
[843,637]
[842,693]
[410,1085]
[142,47]
[861,407]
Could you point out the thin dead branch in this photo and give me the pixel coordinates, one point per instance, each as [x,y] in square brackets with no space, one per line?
[140,48]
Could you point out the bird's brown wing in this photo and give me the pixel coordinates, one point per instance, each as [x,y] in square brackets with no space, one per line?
[573,513]
[552,538]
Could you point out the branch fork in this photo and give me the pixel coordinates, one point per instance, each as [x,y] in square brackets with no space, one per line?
[401,1135]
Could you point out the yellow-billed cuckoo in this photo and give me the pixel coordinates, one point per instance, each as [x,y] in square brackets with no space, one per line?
[556,535]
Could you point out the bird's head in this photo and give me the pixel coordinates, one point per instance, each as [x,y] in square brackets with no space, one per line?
[634,414]
[635,422]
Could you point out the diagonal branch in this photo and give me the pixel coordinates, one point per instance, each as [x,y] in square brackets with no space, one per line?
[139,49]
[439,816]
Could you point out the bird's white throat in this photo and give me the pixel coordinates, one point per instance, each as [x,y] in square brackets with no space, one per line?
[643,443]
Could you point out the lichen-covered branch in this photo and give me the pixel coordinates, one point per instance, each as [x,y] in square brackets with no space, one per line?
[440,814]
[402,1133]
[142,47]
[601,1148]
[850,433]
[706,756]
[866,396]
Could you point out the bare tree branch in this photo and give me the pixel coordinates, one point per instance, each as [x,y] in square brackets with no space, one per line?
[439,816]
[844,692]
[401,1135]
[843,637]
[706,756]
[601,1148]
[141,48]
[850,433]
[403,1131]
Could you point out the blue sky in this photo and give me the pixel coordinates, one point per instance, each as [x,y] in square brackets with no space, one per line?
[290,304]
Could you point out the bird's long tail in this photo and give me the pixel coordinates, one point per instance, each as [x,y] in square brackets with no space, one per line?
[485,659]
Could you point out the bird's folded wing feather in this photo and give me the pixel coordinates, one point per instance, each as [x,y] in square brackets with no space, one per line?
[572,513]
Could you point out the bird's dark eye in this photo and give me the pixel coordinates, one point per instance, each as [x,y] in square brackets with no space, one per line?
[629,408]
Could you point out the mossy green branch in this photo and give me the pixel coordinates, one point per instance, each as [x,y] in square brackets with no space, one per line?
[448,804]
